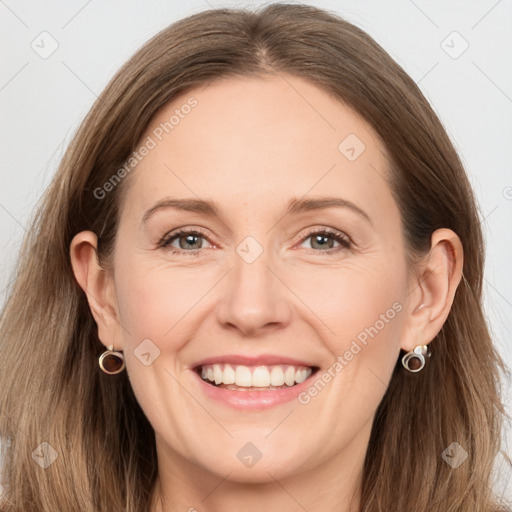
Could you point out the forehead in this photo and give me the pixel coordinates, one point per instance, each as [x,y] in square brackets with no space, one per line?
[257,138]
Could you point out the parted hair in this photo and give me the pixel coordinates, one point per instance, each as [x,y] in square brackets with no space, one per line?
[51,387]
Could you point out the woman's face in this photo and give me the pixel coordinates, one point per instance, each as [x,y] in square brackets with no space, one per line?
[291,256]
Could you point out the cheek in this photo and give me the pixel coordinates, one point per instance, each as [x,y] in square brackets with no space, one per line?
[154,299]
[155,304]
[357,305]
[351,298]
[146,304]
[359,309]
[344,303]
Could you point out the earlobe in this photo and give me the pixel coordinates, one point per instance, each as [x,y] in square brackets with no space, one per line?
[96,284]
[439,274]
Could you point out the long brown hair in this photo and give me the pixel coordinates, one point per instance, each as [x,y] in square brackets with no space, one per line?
[52,390]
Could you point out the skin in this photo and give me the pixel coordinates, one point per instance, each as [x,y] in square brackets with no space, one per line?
[251,145]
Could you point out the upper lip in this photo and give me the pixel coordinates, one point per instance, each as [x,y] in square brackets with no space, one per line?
[261,360]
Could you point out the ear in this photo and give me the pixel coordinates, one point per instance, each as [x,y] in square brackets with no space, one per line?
[98,286]
[432,290]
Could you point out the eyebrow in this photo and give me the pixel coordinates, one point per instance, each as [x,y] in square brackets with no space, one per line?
[212,209]
[306,205]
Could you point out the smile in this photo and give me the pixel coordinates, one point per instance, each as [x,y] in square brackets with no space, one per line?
[254,378]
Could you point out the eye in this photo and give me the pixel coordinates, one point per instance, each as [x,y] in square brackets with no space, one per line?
[189,241]
[324,240]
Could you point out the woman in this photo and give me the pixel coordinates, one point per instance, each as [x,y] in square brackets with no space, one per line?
[255,281]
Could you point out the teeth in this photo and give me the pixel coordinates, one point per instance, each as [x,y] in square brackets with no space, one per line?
[243,376]
[258,376]
[277,376]
[301,375]
[217,373]
[228,375]
[289,376]
[261,377]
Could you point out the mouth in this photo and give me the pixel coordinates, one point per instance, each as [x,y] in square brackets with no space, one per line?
[254,378]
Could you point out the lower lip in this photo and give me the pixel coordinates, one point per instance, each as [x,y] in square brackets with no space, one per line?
[253,400]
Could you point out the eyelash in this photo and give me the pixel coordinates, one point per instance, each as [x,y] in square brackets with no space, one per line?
[342,239]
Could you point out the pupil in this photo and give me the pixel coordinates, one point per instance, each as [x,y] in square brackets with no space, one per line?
[189,241]
[321,240]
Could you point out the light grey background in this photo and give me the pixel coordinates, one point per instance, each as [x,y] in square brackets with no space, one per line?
[44,97]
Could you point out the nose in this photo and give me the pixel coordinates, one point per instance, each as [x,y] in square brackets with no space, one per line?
[254,299]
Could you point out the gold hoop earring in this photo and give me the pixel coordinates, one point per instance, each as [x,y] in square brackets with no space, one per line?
[414,361]
[112,362]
